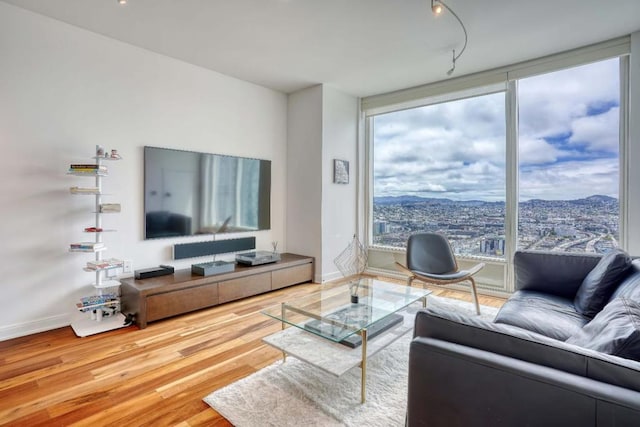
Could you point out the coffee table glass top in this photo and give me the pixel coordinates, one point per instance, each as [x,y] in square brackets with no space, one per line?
[330,312]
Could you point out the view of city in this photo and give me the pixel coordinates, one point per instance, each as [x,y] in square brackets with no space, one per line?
[444,167]
[477,227]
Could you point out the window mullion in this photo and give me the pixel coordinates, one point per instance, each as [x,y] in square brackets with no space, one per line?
[511,199]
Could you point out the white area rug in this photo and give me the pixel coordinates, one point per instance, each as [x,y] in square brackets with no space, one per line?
[295,393]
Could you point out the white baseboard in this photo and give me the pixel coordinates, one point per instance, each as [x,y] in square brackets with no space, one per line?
[331,276]
[34,326]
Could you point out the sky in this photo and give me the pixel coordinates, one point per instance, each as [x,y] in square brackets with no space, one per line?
[568,141]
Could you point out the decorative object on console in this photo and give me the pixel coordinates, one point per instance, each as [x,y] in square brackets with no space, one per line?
[147,273]
[100,312]
[352,261]
[258,257]
[212,267]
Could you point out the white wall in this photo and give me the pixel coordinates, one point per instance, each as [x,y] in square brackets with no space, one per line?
[321,215]
[304,172]
[340,132]
[62,91]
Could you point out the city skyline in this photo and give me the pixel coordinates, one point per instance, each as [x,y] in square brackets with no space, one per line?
[478,227]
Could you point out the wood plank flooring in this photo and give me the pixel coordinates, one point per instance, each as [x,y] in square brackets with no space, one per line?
[155,376]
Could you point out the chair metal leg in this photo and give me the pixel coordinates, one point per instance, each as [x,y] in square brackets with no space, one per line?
[474,294]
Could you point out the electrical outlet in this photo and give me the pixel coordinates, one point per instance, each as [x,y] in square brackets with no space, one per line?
[127,267]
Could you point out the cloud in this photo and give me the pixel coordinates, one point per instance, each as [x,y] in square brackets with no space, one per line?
[537,151]
[570,180]
[599,132]
[568,125]
[549,103]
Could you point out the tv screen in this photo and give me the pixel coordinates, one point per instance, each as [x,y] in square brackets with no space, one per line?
[188,193]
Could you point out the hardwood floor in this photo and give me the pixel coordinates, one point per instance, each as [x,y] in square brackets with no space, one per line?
[154,376]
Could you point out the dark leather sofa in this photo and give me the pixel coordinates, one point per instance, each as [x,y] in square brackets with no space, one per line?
[543,361]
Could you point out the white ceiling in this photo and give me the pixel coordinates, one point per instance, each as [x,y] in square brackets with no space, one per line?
[362,47]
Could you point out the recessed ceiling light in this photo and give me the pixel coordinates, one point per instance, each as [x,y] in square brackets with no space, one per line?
[122,1]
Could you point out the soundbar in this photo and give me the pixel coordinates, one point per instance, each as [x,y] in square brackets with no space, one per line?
[146,273]
[198,249]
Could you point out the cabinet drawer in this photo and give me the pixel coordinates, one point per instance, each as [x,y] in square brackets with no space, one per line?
[171,303]
[291,276]
[230,290]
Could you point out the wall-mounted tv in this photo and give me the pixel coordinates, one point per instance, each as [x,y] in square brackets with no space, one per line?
[188,193]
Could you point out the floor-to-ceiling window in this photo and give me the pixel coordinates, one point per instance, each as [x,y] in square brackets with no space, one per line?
[441,168]
[569,159]
[534,165]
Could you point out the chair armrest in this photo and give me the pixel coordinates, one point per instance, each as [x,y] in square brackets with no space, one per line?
[405,270]
[473,270]
[553,273]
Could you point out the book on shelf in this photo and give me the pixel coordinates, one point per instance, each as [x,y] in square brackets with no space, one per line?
[104,264]
[90,166]
[109,207]
[87,246]
[93,301]
[88,169]
[84,190]
[97,299]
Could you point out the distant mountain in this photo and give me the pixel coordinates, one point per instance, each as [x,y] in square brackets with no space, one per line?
[394,200]
[591,200]
[411,200]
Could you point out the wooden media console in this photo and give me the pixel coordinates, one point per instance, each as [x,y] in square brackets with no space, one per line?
[165,296]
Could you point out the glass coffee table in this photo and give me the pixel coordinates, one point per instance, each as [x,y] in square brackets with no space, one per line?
[339,326]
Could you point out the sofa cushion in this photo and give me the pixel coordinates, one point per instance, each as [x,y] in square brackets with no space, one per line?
[615,330]
[548,315]
[601,282]
[630,286]
[553,273]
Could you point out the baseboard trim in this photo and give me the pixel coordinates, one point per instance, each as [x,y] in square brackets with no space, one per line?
[331,276]
[34,326]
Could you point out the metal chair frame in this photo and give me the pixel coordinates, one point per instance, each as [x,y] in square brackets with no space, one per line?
[434,280]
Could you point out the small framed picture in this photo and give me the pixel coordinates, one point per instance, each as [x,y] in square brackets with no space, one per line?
[340,171]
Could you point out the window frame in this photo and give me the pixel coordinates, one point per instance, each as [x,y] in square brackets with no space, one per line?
[487,83]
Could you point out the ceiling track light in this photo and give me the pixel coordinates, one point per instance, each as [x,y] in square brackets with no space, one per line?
[437,7]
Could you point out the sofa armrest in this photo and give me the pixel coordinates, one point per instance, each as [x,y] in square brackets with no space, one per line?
[456,385]
[501,339]
[521,344]
[553,273]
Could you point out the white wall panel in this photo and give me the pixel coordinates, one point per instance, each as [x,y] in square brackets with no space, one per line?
[62,91]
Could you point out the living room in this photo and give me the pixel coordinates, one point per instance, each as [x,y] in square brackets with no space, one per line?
[69,86]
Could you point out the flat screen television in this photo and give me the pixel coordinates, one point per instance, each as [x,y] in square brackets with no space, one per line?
[188,193]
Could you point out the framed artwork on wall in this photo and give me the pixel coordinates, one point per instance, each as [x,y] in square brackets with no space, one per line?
[340,171]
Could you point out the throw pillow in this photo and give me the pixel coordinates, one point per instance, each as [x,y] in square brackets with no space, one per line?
[597,287]
[615,330]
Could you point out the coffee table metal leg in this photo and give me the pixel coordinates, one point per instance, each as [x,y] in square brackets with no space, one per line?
[284,354]
[363,365]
